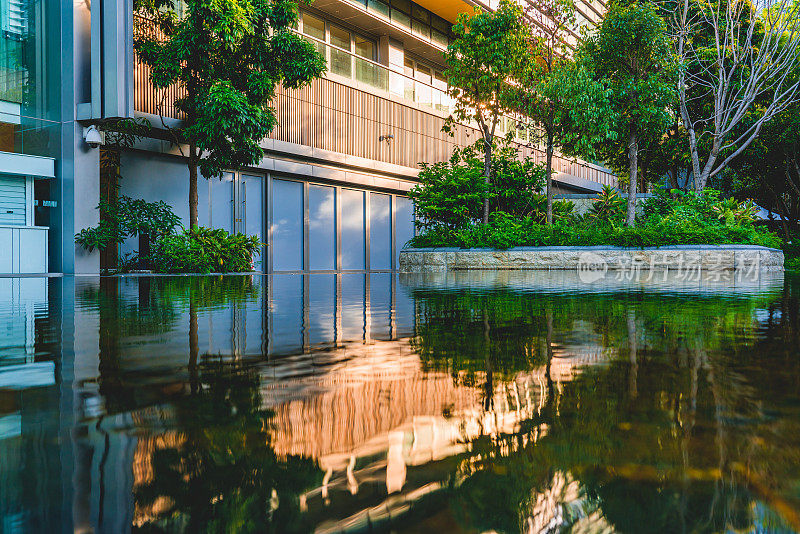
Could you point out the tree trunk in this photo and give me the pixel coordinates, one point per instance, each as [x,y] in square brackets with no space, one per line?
[193,218]
[633,158]
[549,172]
[487,175]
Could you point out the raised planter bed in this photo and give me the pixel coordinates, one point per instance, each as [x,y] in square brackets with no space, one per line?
[678,257]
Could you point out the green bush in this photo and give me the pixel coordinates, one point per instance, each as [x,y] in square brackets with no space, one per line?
[203,250]
[667,219]
[127,217]
[505,232]
[452,193]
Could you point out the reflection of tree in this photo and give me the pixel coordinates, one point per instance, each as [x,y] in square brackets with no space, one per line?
[671,435]
[224,475]
[154,308]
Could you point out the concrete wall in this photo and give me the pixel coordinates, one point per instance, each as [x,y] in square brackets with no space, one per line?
[596,259]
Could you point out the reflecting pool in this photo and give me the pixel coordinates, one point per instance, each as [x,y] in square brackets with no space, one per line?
[371,402]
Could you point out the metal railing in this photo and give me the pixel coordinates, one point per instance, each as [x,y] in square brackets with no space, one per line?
[305,115]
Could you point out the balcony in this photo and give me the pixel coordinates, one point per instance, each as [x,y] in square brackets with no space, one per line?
[360,102]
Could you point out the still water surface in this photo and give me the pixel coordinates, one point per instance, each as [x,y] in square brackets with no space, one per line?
[507,402]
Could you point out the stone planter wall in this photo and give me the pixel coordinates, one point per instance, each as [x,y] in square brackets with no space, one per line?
[679,258]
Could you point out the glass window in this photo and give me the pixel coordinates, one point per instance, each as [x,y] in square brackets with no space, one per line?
[420,28]
[314,27]
[423,92]
[439,24]
[287,225]
[380,231]
[380,7]
[321,228]
[420,13]
[365,71]
[402,5]
[222,202]
[252,201]
[404,218]
[408,70]
[29,77]
[353,229]
[340,61]
[365,48]
[401,18]
[439,38]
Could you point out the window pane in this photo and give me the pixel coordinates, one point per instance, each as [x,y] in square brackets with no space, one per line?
[439,38]
[287,225]
[404,218]
[313,26]
[438,23]
[353,227]
[252,202]
[340,61]
[420,13]
[380,231]
[321,227]
[365,48]
[380,7]
[222,202]
[420,28]
[401,18]
[402,5]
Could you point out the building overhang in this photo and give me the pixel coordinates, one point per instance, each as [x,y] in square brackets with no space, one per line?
[26,165]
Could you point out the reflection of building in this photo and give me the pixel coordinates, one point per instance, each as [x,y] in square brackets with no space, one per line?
[330,190]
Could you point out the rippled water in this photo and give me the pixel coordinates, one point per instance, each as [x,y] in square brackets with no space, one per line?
[359,402]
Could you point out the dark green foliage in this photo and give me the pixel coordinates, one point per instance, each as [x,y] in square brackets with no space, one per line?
[128,217]
[631,54]
[668,218]
[203,250]
[506,232]
[489,52]
[608,207]
[452,192]
[228,56]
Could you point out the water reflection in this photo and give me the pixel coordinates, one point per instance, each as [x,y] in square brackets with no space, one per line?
[351,402]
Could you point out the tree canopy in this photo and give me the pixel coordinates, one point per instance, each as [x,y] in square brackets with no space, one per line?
[227,57]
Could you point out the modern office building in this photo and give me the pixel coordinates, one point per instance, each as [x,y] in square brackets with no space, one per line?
[330,192]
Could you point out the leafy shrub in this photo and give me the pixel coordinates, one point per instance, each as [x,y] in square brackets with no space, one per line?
[125,218]
[732,212]
[504,231]
[451,194]
[203,250]
[608,207]
[692,205]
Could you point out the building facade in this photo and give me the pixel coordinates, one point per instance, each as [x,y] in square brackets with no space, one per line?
[330,192]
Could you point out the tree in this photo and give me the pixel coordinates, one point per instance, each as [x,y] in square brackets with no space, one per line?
[486,59]
[226,57]
[568,108]
[768,171]
[631,54]
[737,60]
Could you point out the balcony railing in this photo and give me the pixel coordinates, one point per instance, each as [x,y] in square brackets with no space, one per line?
[361,100]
